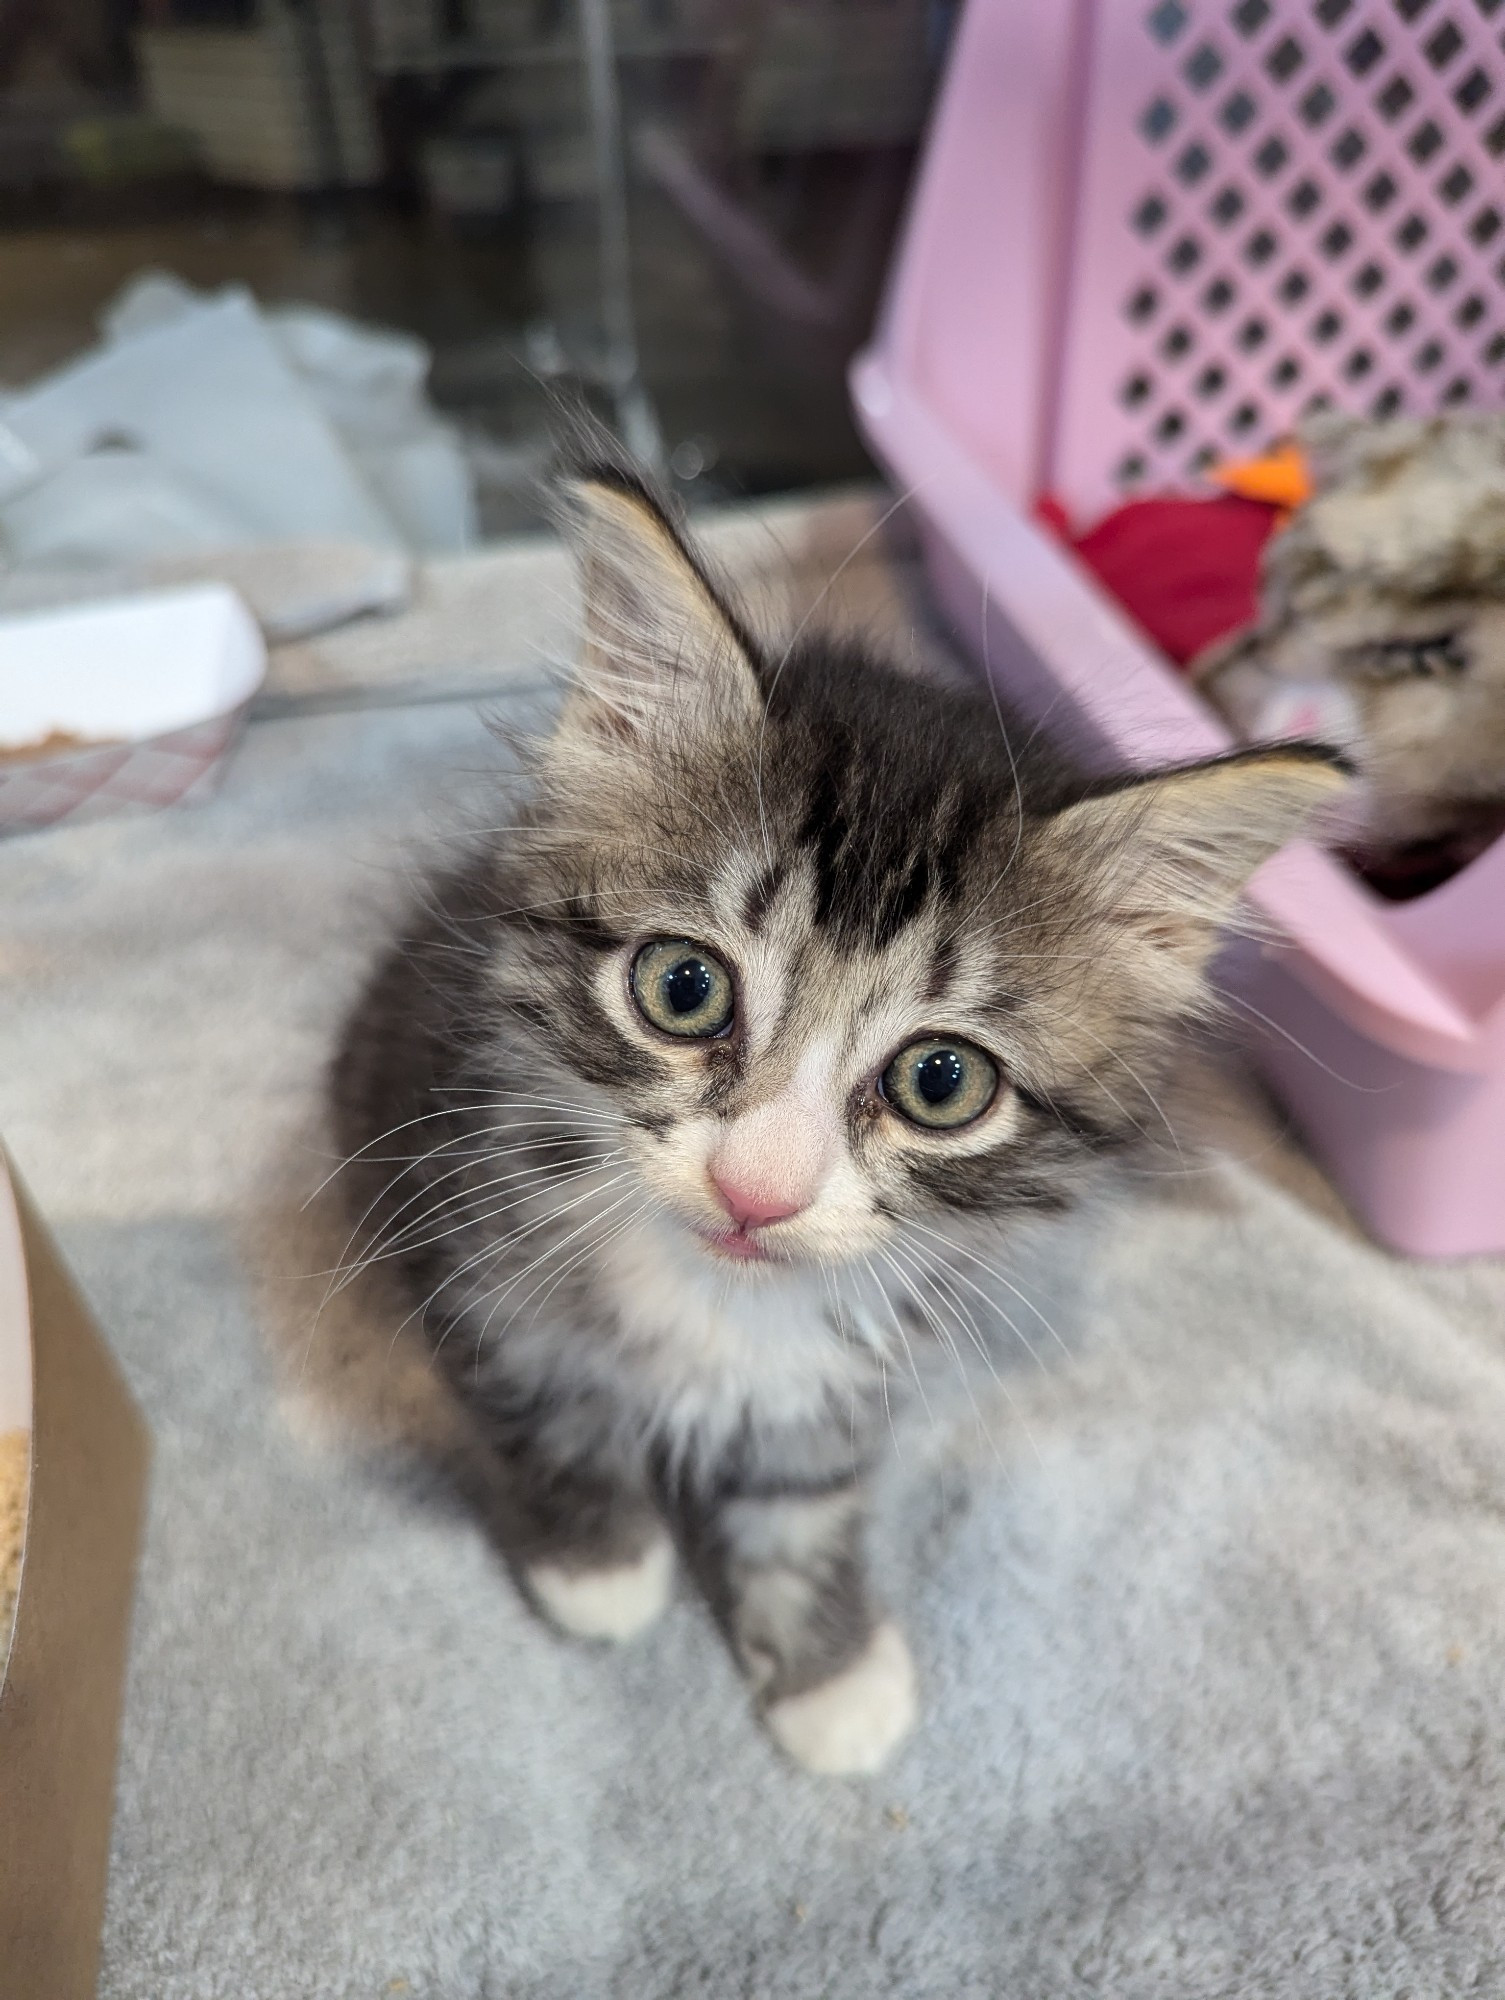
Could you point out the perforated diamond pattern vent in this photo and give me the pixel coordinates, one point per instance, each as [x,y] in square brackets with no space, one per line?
[1282,205]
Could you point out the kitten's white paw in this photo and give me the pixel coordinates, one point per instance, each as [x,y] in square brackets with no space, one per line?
[615,1603]
[847,1726]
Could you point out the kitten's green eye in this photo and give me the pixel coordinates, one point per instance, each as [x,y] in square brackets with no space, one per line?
[682,989]
[940,1084]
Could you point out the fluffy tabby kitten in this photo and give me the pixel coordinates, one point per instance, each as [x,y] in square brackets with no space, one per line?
[678,1099]
[1382,625]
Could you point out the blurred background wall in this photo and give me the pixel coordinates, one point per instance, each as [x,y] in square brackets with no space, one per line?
[681,209]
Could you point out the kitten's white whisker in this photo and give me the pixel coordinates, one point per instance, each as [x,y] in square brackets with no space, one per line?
[923,1305]
[390,1185]
[975,1334]
[927,1276]
[592,1248]
[987,670]
[391,1132]
[552,1250]
[838,1321]
[993,1271]
[479,1154]
[501,1100]
[1363,1089]
[497,1248]
[888,1409]
[457,1219]
[893,1313]
[545,830]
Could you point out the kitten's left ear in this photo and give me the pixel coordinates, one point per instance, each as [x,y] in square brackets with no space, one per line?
[1164,857]
[660,651]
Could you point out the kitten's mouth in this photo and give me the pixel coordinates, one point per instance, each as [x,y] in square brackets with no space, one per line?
[738,1244]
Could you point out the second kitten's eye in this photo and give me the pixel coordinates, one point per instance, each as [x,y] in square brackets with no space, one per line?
[940,1084]
[682,989]
[1438,656]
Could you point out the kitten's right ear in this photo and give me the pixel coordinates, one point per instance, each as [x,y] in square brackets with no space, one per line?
[1161,859]
[661,655]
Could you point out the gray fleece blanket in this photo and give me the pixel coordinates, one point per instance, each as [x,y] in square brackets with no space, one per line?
[1210,1610]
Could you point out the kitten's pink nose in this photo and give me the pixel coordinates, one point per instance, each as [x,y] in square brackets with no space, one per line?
[752,1208]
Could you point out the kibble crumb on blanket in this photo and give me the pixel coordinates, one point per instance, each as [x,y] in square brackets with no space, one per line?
[15,1474]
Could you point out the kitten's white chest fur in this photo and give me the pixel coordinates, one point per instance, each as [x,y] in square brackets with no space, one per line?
[714,1346]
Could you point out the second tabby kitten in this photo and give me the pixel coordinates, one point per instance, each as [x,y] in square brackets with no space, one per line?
[678,1100]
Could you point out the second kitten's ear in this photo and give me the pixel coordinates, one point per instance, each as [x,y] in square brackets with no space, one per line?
[1161,859]
[660,652]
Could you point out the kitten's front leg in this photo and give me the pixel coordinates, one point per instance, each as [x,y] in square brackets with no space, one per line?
[584,1538]
[786,1572]
[609,1588]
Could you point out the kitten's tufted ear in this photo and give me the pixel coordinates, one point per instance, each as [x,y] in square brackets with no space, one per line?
[660,653]
[1162,858]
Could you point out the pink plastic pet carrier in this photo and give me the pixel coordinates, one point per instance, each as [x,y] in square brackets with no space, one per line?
[1147,234]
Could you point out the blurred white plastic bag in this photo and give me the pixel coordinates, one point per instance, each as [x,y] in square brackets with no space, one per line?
[202,421]
[371,386]
[110,507]
[18,462]
[210,397]
[150,300]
